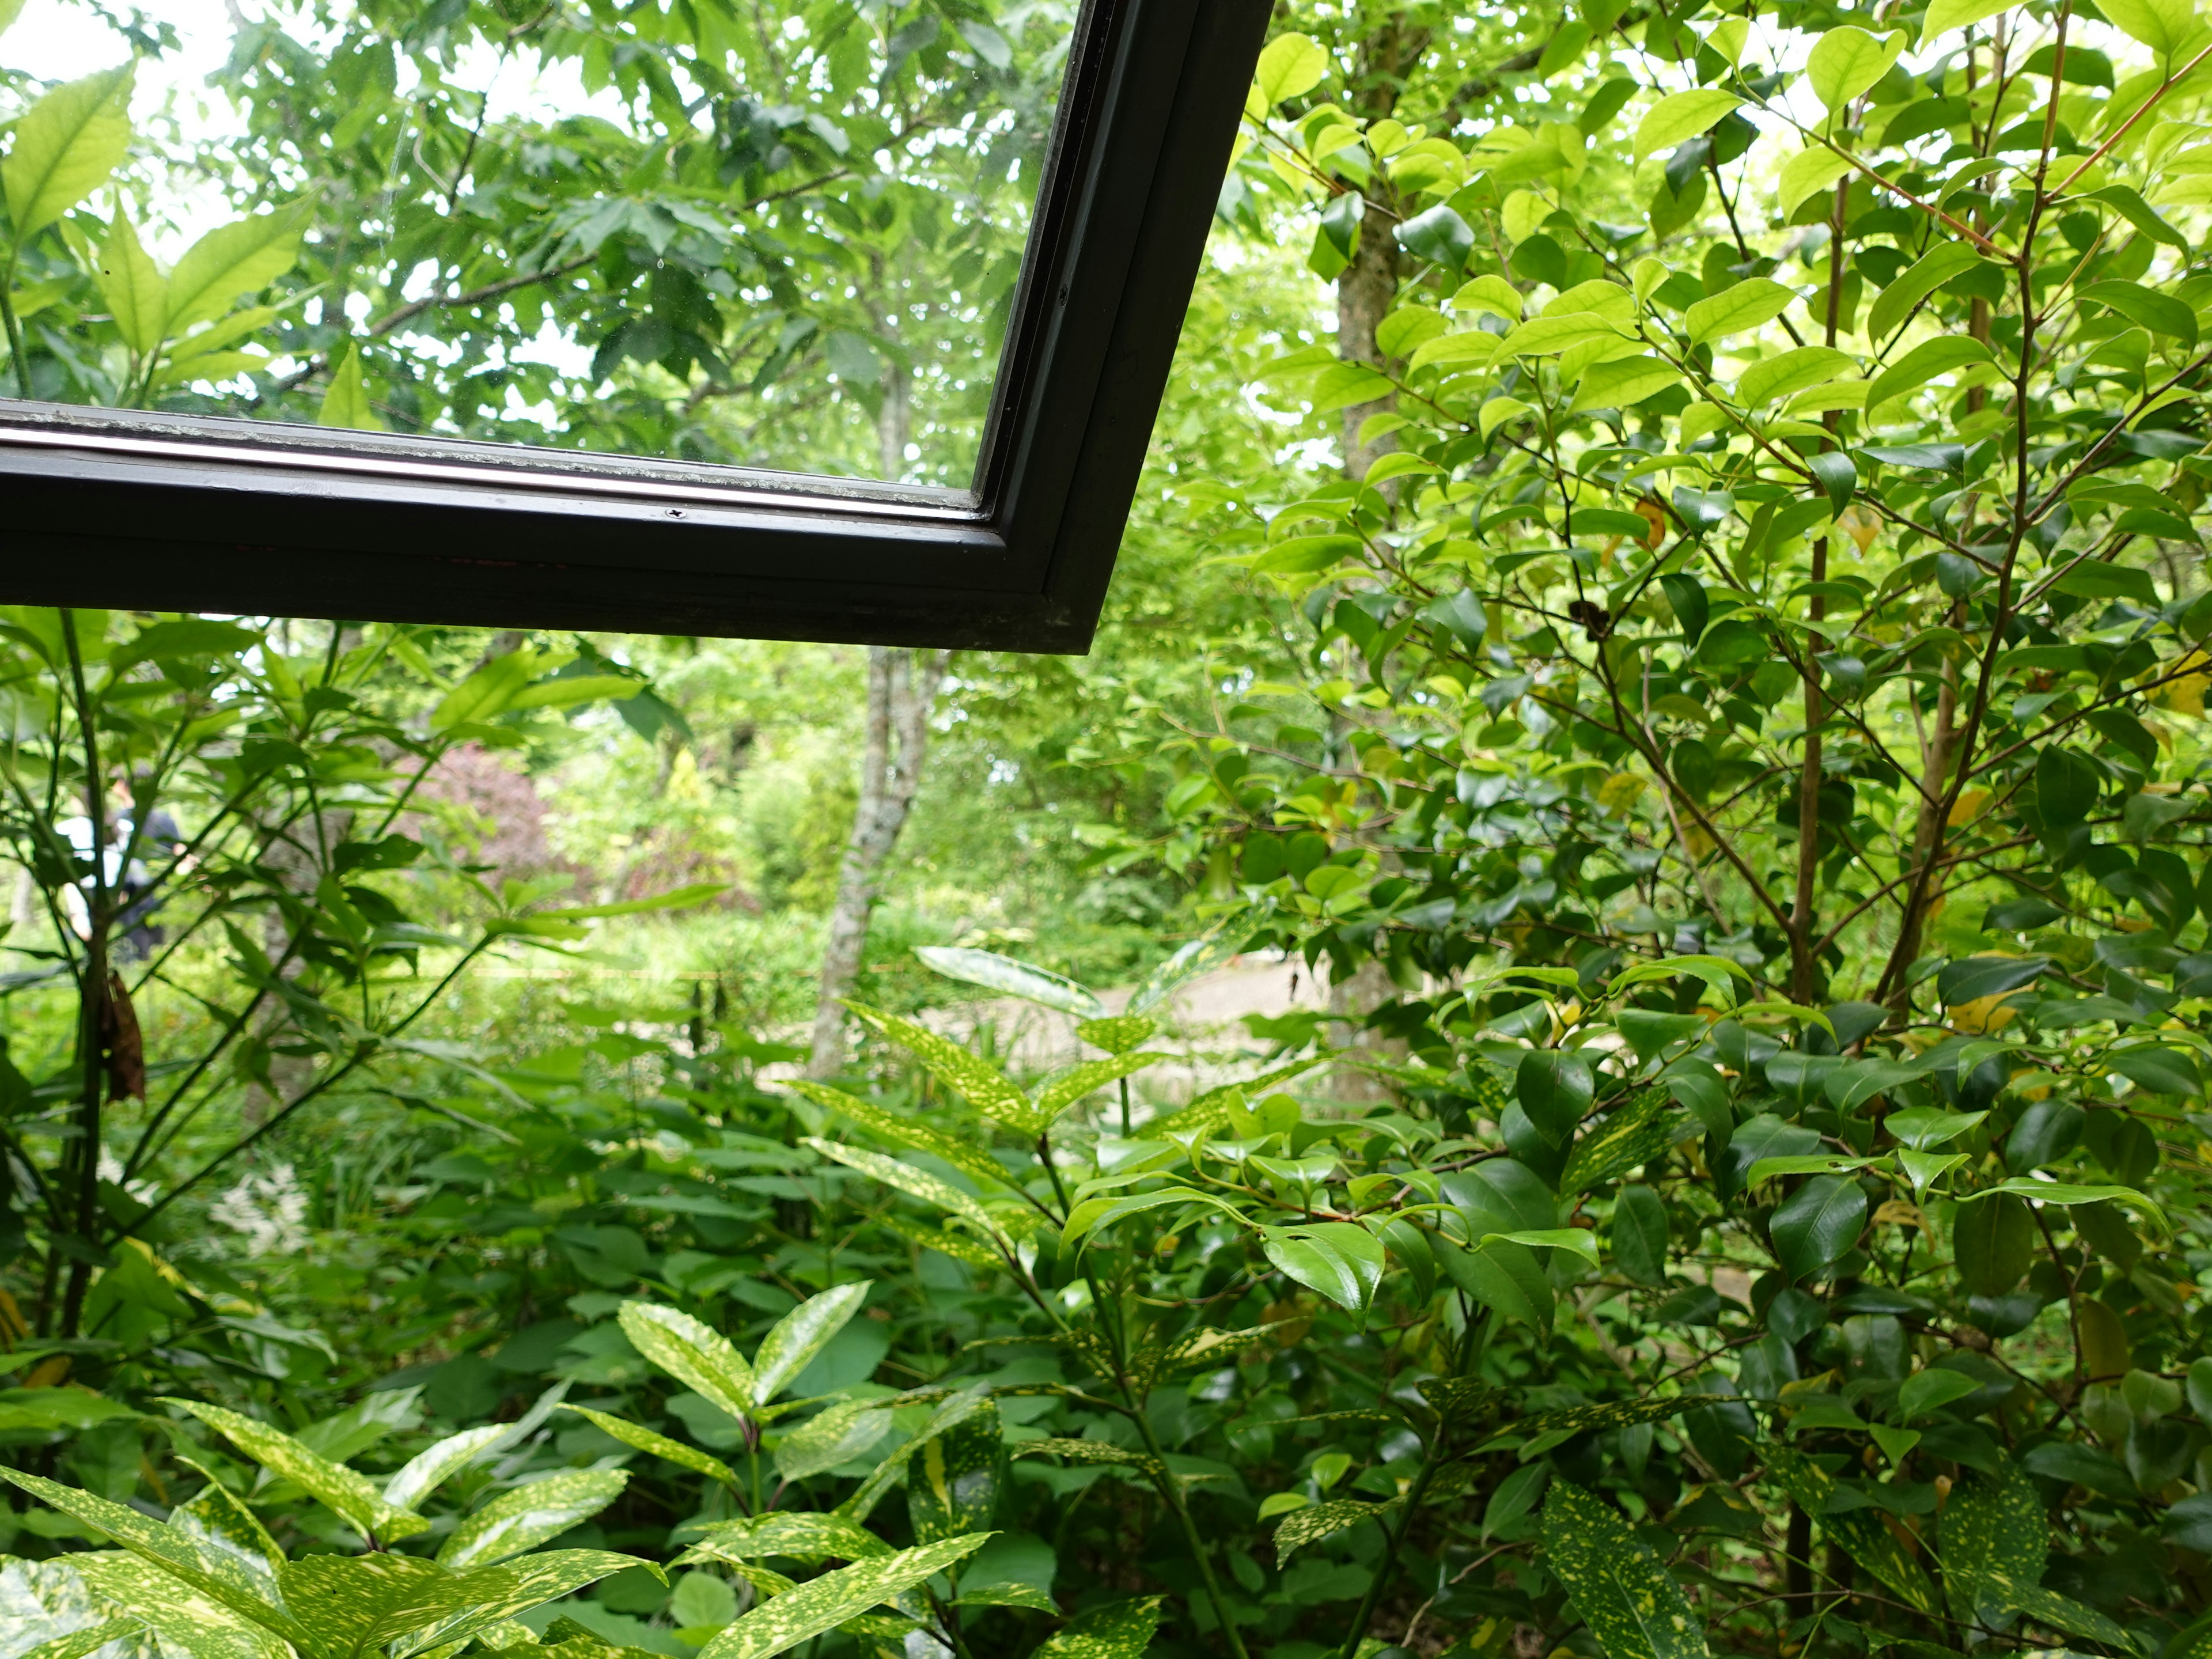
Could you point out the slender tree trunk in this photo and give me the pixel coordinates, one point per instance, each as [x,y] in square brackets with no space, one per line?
[901,691]
[1364,296]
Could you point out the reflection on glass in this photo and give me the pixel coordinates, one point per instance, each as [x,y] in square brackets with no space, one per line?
[780,233]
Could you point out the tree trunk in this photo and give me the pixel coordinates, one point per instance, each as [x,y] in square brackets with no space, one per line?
[901,691]
[1369,285]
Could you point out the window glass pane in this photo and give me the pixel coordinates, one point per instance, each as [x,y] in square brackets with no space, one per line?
[780,233]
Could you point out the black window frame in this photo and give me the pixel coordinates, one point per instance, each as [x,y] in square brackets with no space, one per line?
[126,509]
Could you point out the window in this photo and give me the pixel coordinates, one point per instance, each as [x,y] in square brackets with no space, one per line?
[827,319]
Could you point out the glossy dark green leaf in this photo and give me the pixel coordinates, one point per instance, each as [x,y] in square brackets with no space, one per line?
[1639,1234]
[1816,1225]
[953,1481]
[1554,1089]
[1972,978]
[1686,596]
[1991,1241]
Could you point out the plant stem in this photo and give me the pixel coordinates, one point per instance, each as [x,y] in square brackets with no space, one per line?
[93,1019]
[1171,1495]
[15,326]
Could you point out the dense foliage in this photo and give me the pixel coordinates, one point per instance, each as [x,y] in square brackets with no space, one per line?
[1717,690]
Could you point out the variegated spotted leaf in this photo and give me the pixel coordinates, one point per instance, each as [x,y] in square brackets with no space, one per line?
[646,1440]
[971,1160]
[693,1353]
[1635,1134]
[822,1604]
[983,1084]
[1583,1419]
[915,1184]
[1318,1521]
[1858,1533]
[1993,1527]
[952,1480]
[1622,1590]
[2054,1611]
[800,1335]
[956,1409]
[1211,1109]
[1119,1629]
[1091,1451]
[1016,979]
[215,1573]
[531,1515]
[1063,1090]
[498,1593]
[345,1491]
[846,1431]
[959,1246]
[220,1519]
[185,1619]
[423,1474]
[800,1535]
[1116,1035]
[79,1643]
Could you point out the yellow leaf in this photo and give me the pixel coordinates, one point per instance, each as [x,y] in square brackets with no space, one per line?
[1618,792]
[1968,806]
[1982,1015]
[1861,524]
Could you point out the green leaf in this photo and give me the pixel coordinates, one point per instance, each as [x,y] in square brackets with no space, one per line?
[1119,1629]
[1789,372]
[1921,365]
[1318,1521]
[2164,26]
[676,898]
[1817,1224]
[1933,269]
[1116,1035]
[565,692]
[1944,15]
[983,1084]
[800,1335]
[487,691]
[1639,1234]
[2161,314]
[1014,979]
[133,286]
[1339,1259]
[1991,1243]
[2137,212]
[1858,1533]
[1062,1091]
[233,260]
[675,1451]
[66,145]
[1503,1277]
[9,11]
[842,1434]
[1993,1527]
[917,1183]
[1681,115]
[2063,1193]
[1580,1240]
[1292,66]
[822,1604]
[1555,1090]
[1623,382]
[1807,172]
[1686,597]
[1625,1595]
[1754,300]
[953,1481]
[346,403]
[1846,60]
[349,1494]
[1972,978]
[1836,474]
[693,1353]
[2157,1070]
